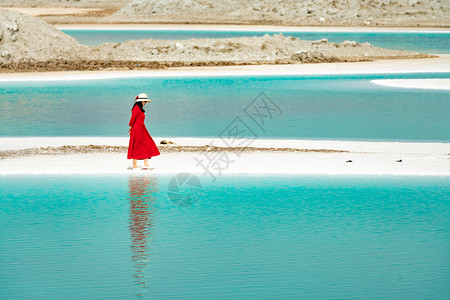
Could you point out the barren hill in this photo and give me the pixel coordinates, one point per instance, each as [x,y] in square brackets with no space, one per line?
[292,12]
[27,38]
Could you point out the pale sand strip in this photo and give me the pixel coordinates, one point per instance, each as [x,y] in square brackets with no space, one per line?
[369,158]
[440,64]
[247,163]
[51,11]
[219,27]
[435,84]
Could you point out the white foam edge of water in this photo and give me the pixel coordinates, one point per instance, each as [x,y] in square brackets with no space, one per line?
[422,83]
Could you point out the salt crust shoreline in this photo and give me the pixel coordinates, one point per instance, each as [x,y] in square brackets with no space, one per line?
[440,64]
[368,158]
[434,84]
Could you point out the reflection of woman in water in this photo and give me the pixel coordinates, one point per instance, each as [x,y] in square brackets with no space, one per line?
[141,145]
[142,191]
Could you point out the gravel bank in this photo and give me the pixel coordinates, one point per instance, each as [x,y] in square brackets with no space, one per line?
[73,149]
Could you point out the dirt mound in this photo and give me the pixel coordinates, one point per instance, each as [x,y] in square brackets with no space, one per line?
[301,12]
[27,39]
[275,49]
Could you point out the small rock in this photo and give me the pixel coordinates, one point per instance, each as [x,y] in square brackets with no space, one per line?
[13,27]
[6,55]
[308,56]
[179,46]
[318,42]
[258,7]
[164,142]
[322,20]
[348,44]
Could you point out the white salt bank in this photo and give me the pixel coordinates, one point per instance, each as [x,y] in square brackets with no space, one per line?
[429,83]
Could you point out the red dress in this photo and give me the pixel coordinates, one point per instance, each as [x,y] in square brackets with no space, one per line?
[141,144]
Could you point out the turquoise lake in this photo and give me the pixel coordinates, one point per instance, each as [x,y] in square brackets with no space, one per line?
[338,107]
[272,237]
[249,237]
[436,42]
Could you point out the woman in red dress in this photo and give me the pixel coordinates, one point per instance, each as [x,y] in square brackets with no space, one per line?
[141,144]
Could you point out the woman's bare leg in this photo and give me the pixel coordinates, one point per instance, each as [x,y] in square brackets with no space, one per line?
[134,163]
[146,163]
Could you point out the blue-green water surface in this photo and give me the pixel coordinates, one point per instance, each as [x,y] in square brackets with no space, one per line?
[426,42]
[338,107]
[274,237]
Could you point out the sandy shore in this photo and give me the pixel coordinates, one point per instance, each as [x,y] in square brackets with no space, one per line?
[367,158]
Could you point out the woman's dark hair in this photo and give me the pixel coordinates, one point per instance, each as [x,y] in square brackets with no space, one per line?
[139,104]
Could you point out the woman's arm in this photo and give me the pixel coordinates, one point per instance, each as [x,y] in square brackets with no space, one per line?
[134,114]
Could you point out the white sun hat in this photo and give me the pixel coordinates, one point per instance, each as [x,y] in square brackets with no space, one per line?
[142,97]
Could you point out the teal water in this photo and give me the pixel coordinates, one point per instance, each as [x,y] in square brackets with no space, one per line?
[119,237]
[336,107]
[423,42]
